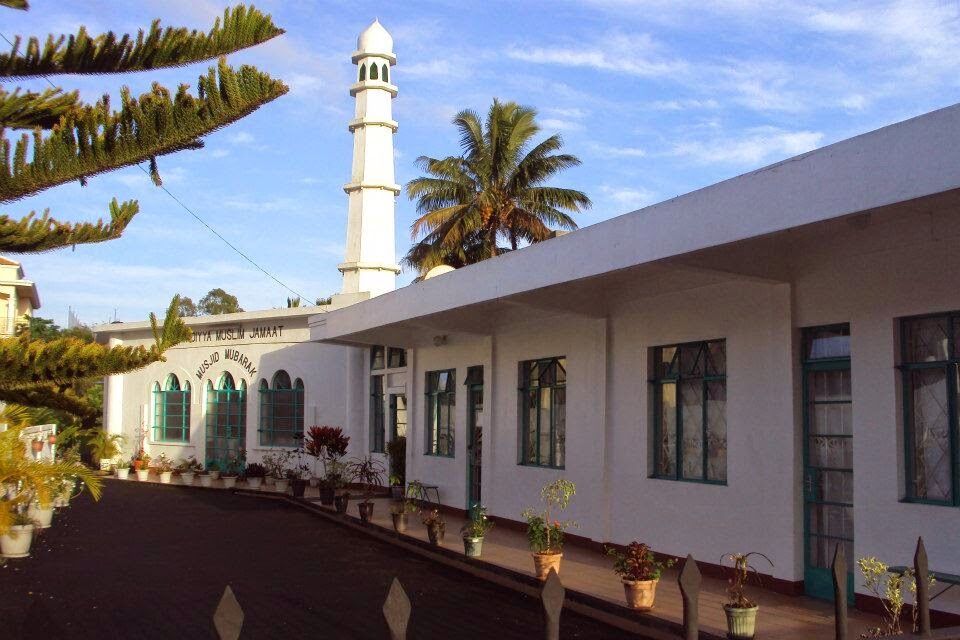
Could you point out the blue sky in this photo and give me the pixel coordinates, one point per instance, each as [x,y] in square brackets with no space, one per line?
[657,98]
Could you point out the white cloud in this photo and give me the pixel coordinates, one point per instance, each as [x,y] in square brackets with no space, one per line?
[565,112]
[618,152]
[753,147]
[605,58]
[241,138]
[437,68]
[562,125]
[628,198]
[685,104]
[219,153]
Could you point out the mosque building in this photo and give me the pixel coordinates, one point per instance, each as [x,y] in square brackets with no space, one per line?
[770,363]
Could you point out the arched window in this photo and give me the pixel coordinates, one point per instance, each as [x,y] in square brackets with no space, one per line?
[373,71]
[281,411]
[171,411]
[386,74]
[226,420]
[363,72]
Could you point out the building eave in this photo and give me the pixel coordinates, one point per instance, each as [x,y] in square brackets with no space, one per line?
[226,318]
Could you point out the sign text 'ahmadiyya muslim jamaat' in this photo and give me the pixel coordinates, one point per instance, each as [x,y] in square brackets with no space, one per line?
[238,333]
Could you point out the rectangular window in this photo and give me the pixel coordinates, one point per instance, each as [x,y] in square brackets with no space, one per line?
[377,357]
[441,399]
[931,390]
[377,422]
[543,412]
[396,358]
[690,407]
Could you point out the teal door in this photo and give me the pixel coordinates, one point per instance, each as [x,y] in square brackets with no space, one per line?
[474,384]
[828,457]
[226,422]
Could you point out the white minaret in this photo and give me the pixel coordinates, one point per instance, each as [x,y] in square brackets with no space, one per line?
[370,263]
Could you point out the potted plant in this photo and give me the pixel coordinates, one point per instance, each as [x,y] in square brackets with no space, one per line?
[329,445]
[399,512]
[473,531]
[164,467]
[435,525]
[297,473]
[123,470]
[741,611]
[275,463]
[254,474]
[640,571]
[188,468]
[369,473]
[397,454]
[104,447]
[545,534]
[214,470]
[341,501]
[234,466]
[41,516]
[205,478]
[15,543]
[141,464]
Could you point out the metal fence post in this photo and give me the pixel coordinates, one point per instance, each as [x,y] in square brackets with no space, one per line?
[689,582]
[552,596]
[840,592]
[922,575]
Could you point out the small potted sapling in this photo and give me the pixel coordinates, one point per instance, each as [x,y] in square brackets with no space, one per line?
[640,571]
[164,466]
[188,469]
[369,473]
[397,454]
[436,526]
[474,530]
[741,611]
[123,470]
[544,533]
[254,474]
[213,468]
[141,464]
[399,512]
[16,539]
[232,469]
[297,473]
[205,479]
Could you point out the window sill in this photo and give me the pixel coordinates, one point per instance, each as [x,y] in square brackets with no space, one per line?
[450,456]
[714,483]
[172,443]
[540,466]
[929,503]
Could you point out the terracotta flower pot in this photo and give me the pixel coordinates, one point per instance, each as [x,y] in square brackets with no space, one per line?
[640,594]
[543,562]
[399,522]
[741,623]
[36,445]
[366,511]
[51,439]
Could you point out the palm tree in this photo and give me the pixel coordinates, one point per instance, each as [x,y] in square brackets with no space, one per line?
[495,191]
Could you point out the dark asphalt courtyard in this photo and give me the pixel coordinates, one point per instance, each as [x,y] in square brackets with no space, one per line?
[152,561]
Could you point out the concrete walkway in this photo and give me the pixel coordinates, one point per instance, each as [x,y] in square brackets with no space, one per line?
[782,617]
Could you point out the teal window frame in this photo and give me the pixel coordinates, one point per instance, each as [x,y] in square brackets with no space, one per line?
[949,364]
[378,422]
[676,372]
[396,358]
[281,411]
[441,390]
[543,381]
[171,411]
[227,408]
[378,357]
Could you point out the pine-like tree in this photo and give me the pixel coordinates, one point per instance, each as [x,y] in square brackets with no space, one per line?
[71,140]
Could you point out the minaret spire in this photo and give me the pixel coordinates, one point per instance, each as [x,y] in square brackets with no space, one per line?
[370,262]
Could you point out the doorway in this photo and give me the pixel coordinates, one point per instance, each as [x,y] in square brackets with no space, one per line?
[474,384]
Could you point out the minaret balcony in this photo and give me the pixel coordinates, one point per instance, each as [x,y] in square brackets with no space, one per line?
[372,122]
[386,186]
[373,84]
[386,55]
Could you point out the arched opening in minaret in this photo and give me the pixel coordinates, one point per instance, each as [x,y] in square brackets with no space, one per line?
[363,72]
[386,73]
[373,71]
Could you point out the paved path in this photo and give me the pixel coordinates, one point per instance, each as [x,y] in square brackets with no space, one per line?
[151,562]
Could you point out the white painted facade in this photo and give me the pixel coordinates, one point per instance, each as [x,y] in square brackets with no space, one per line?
[18,296]
[863,232]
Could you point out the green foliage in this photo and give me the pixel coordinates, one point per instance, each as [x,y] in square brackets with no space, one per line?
[242,27]
[888,588]
[368,472]
[14,4]
[33,235]
[217,302]
[293,302]
[103,445]
[637,562]
[544,533]
[496,190]
[42,328]
[478,525]
[186,308]
[31,109]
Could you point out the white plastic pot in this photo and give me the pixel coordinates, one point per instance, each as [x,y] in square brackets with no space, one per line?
[42,517]
[214,475]
[281,485]
[314,482]
[143,475]
[16,543]
[166,476]
[187,477]
[255,482]
[269,481]
[206,479]
[229,482]
[124,473]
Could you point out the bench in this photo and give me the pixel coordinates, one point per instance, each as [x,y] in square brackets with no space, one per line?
[949,579]
[421,492]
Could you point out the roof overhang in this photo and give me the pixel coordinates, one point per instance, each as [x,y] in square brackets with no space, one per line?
[876,171]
